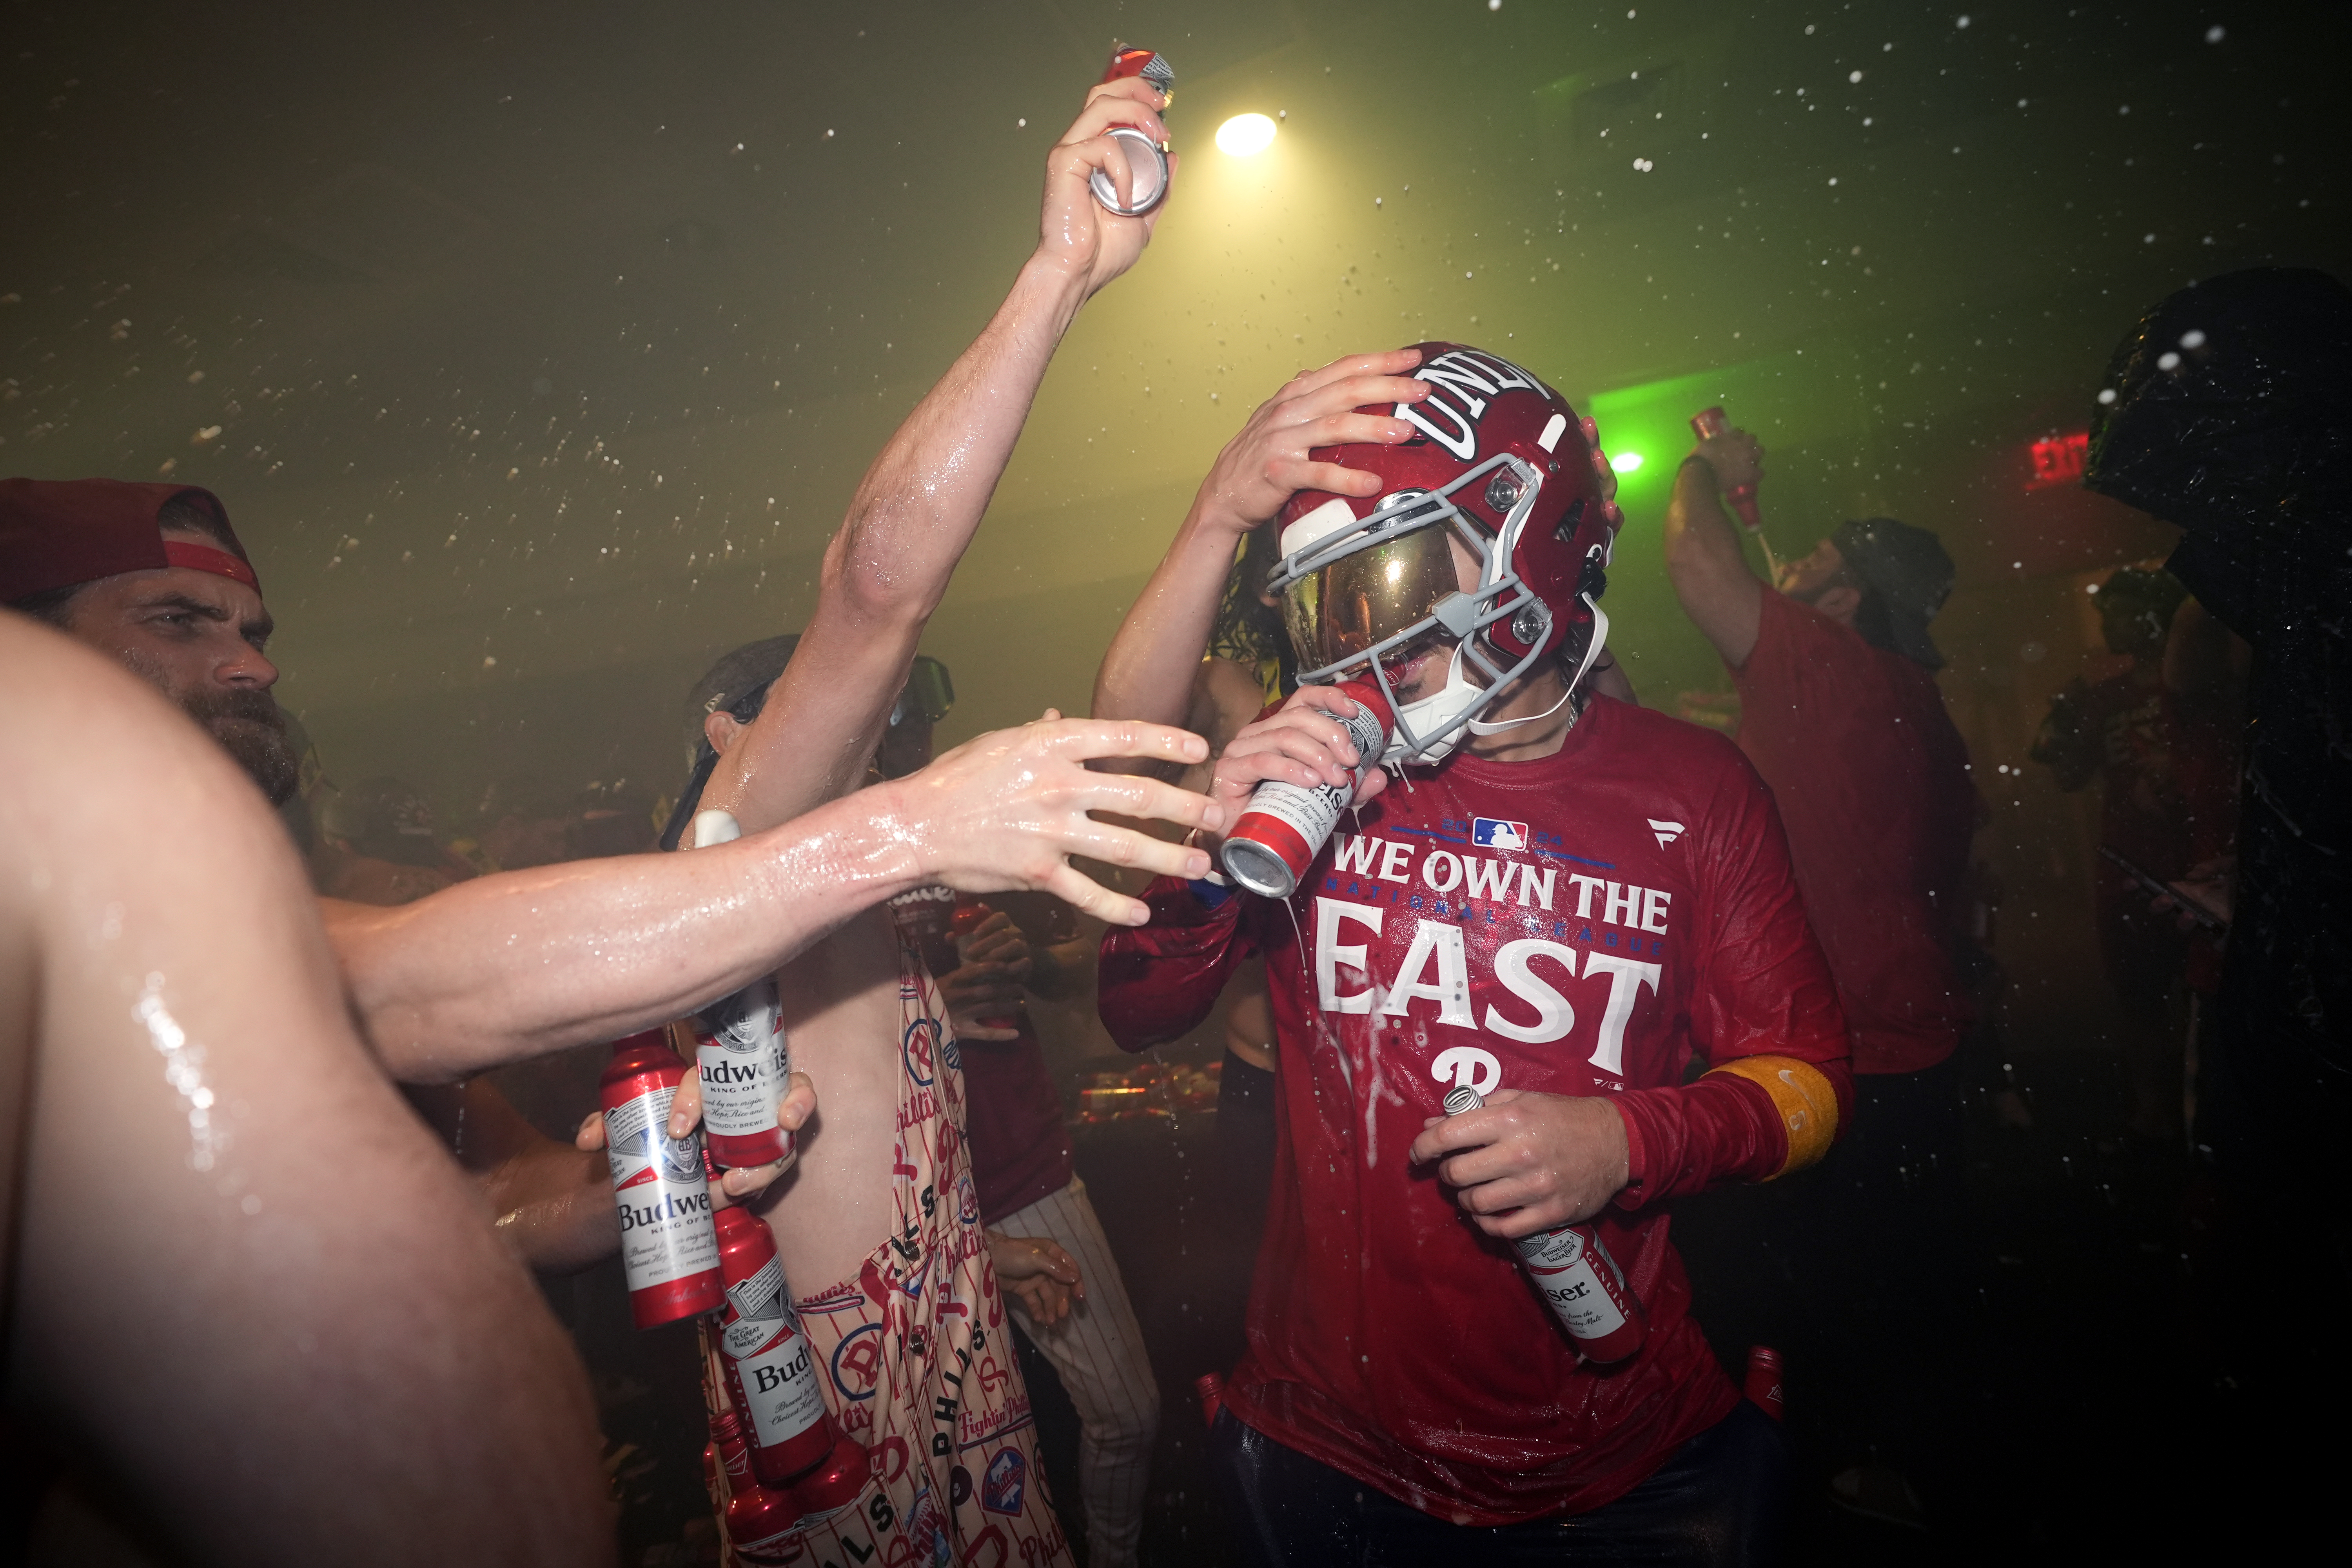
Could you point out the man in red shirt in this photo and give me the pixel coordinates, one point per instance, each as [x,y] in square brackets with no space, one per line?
[1565,903]
[1841,715]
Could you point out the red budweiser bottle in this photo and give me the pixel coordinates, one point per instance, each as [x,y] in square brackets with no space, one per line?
[1286,826]
[1147,161]
[667,1246]
[1580,1280]
[769,1373]
[1210,1389]
[836,1485]
[1709,422]
[760,1520]
[739,1053]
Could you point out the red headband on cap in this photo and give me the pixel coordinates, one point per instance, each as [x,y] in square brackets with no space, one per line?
[205,558]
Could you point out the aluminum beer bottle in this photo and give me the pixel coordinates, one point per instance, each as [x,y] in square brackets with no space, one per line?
[1762,1383]
[739,1053]
[760,1519]
[770,1376]
[845,1517]
[1285,826]
[1580,1282]
[667,1245]
[1709,422]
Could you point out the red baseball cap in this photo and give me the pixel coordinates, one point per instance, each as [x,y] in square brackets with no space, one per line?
[58,533]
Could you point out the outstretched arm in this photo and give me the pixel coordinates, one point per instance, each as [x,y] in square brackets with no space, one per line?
[1719,593]
[1148,671]
[919,504]
[508,967]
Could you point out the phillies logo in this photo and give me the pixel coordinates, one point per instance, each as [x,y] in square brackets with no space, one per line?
[921,1040]
[1469,1067]
[1006,1482]
[857,1361]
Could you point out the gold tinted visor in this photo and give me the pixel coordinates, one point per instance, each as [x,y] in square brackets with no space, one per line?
[1362,599]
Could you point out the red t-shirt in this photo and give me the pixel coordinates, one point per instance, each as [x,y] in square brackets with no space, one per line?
[1583,924]
[1873,782]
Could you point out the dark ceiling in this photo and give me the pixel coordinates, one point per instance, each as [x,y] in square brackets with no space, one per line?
[536,347]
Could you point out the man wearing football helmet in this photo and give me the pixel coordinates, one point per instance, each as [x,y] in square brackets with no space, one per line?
[1407,1395]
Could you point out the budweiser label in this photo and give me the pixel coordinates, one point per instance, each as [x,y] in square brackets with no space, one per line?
[662,1194]
[1311,814]
[1565,1269]
[771,1358]
[740,1051]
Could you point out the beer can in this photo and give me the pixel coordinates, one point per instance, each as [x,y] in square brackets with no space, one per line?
[740,1054]
[1762,1383]
[1286,826]
[669,1248]
[1147,160]
[1210,1389]
[1579,1280]
[771,1375]
[1709,422]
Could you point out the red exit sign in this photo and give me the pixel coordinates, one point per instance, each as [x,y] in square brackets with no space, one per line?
[2058,460]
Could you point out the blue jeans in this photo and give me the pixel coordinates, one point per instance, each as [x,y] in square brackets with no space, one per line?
[1720,1500]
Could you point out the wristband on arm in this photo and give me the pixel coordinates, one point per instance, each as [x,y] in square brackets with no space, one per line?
[1802,1096]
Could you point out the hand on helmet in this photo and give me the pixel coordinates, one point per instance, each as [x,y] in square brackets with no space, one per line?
[1298,743]
[1268,462]
[1075,231]
[1737,458]
[1601,471]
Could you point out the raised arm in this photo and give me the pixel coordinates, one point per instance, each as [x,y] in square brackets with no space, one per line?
[1148,671]
[1723,599]
[919,504]
[512,966]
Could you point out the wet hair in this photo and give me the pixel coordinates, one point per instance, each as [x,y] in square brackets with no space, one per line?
[182,514]
[1249,631]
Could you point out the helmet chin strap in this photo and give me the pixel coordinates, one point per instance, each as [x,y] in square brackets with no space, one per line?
[1592,646]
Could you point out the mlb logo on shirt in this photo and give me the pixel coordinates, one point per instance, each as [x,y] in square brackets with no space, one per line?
[1493,833]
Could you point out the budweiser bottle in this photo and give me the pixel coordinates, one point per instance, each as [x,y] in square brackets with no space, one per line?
[667,1246]
[1709,422]
[1286,826]
[770,1376]
[739,1052]
[760,1519]
[1578,1278]
[845,1518]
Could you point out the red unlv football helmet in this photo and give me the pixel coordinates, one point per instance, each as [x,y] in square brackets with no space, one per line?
[1500,474]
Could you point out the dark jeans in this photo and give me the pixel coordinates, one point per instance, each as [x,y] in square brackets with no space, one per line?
[1718,1501]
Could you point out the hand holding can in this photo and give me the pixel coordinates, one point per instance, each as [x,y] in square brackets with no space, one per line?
[1147,161]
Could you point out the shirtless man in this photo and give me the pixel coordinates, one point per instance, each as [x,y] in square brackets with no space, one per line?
[878,1227]
[502,968]
[235,1360]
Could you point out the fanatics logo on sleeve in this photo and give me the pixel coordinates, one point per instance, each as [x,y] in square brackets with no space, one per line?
[1493,833]
[1667,832]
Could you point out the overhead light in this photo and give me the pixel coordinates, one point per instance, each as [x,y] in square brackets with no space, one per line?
[1245,135]
[1626,462]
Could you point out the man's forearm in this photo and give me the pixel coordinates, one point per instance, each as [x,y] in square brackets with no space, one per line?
[515,965]
[1697,530]
[555,1206]
[889,566]
[1147,671]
